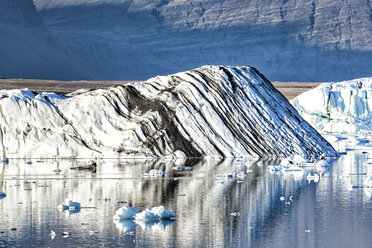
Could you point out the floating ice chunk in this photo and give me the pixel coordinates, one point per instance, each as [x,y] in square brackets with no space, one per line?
[298,159]
[313,177]
[71,205]
[154,173]
[125,212]
[162,212]
[182,168]
[146,215]
[282,198]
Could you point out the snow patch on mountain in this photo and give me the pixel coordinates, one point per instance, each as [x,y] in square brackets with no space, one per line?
[209,111]
[342,107]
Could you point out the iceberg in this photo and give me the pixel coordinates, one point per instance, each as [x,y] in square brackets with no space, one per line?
[211,111]
[162,213]
[126,212]
[70,205]
[156,213]
[342,107]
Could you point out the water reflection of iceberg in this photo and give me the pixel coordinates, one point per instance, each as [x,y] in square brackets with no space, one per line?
[129,225]
[155,224]
[125,225]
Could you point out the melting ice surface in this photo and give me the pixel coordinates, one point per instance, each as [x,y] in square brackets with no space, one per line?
[231,203]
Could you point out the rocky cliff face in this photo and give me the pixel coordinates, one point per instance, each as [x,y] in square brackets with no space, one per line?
[209,111]
[289,40]
[29,50]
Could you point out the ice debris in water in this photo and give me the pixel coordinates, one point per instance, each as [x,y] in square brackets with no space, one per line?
[313,177]
[156,213]
[71,205]
[154,173]
[182,168]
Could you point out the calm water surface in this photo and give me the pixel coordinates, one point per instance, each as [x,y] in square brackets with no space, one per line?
[327,213]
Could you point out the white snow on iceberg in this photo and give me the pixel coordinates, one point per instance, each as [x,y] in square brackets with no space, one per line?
[343,107]
[209,111]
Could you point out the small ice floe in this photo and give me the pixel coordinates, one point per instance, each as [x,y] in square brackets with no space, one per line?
[235,214]
[307,231]
[125,212]
[52,234]
[352,187]
[282,198]
[70,205]
[5,161]
[2,195]
[154,173]
[93,232]
[313,177]
[299,159]
[146,215]
[232,175]
[182,168]
[132,213]
[162,212]
[155,213]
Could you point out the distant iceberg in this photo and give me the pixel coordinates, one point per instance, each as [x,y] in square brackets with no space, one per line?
[213,111]
[343,107]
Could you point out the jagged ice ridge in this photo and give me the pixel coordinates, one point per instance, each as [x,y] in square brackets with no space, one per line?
[209,111]
[341,107]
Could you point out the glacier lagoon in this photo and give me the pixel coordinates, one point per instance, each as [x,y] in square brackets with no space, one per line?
[267,207]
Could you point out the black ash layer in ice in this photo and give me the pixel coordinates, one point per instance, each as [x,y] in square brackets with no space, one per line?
[208,111]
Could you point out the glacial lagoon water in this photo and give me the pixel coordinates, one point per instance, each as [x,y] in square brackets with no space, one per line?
[263,209]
